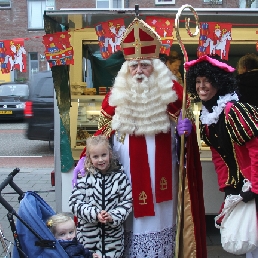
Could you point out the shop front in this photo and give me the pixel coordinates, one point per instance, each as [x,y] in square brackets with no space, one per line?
[80,88]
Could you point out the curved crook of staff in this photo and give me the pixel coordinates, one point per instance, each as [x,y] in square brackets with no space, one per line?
[182,146]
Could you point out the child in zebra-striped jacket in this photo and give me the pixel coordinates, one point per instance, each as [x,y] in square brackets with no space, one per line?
[101,200]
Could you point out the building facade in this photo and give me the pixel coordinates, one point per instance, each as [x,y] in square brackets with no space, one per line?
[24,19]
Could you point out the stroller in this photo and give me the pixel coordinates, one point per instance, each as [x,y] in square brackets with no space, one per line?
[32,238]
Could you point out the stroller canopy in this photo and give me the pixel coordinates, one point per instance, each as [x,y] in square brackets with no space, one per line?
[35,212]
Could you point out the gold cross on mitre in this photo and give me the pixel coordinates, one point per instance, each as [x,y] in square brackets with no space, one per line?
[137,45]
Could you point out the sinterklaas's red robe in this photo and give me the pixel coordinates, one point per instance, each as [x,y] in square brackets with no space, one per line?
[193,230]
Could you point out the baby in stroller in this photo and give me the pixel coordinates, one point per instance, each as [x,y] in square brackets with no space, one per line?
[34,227]
[64,230]
[35,237]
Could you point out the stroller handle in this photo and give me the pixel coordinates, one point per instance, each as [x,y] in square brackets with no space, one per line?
[41,242]
[9,181]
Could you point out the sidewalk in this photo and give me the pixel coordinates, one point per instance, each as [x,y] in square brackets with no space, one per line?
[26,180]
[39,180]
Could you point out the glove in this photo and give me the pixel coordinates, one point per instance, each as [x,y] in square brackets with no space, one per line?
[247,196]
[184,126]
[78,169]
[230,190]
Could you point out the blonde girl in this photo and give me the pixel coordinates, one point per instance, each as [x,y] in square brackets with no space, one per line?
[101,200]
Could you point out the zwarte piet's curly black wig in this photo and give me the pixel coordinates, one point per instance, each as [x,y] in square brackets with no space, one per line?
[220,75]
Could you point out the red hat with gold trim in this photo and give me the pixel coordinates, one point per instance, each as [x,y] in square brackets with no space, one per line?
[140,41]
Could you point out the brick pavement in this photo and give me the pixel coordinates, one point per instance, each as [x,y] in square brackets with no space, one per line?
[39,180]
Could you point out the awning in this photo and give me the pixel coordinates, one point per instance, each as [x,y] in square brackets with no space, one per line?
[244,22]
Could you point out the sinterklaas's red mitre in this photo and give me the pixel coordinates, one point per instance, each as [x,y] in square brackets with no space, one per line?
[140,41]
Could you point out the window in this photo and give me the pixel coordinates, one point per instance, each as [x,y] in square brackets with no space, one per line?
[110,4]
[5,4]
[35,14]
[33,62]
[36,10]
[213,1]
[50,3]
[243,3]
[164,1]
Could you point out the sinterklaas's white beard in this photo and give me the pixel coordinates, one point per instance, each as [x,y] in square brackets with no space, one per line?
[141,107]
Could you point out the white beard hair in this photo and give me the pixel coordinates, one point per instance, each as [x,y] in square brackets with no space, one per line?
[141,108]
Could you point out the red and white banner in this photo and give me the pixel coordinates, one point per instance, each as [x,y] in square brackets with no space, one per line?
[214,39]
[110,34]
[12,55]
[164,27]
[58,49]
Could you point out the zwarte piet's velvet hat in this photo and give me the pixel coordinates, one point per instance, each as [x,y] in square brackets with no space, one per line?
[212,61]
[219,74]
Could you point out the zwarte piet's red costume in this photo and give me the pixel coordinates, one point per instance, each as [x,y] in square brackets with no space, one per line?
[229,127]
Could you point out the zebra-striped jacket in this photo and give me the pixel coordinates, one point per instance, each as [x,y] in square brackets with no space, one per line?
[93,193]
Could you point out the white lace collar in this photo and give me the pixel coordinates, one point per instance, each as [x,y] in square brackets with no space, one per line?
[212,118]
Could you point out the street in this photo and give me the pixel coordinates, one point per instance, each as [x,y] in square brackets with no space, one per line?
[35,160]
[17,151]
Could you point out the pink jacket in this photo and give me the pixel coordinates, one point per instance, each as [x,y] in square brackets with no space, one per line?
[246,154]
[247,158]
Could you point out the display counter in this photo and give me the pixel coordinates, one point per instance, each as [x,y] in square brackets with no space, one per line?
[84,114]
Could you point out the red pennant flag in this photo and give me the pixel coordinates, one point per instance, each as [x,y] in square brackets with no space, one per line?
[214,39]
[12,55]
[109,36]
[58,49]
[164,27]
